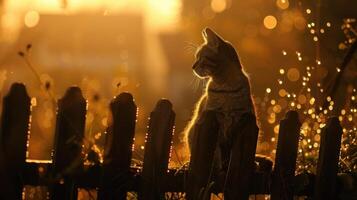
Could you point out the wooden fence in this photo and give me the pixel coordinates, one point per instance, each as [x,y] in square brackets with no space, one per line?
[115,176]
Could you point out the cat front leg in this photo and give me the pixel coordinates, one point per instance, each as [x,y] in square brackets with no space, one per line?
[190,129]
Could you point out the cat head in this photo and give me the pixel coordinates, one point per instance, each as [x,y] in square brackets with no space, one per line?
[215,56]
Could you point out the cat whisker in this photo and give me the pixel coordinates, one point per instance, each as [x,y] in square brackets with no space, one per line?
[191,44]
[188,50]
[197,83]
[194,82]
[191,47]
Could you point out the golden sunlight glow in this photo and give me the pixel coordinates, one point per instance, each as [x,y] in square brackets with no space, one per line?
[32,18]
[270,22]
[218,5]
[158,14]
[10,23]
[163,14]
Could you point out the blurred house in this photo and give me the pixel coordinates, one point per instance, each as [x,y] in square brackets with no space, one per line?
[73,45]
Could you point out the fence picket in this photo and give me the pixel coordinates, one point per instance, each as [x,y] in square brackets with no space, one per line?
[13,140]
[241,165]
[327,165]
[157,151]
[69,134]
[201,162]
[285,159]
[118,150]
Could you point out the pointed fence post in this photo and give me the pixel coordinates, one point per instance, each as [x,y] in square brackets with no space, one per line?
[118,149]
[239,176]
[157,151]
[327,165]
[204,145]
[69,134]
[15,120]
[285,159]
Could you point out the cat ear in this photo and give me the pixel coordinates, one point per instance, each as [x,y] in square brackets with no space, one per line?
[211,38]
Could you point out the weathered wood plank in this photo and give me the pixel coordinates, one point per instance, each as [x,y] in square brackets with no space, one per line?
[13,140]
[116,175]
[69,134]
[204,145]
[157,150]
[327,165]
[285,159]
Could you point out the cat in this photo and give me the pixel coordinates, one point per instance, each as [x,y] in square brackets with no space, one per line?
[227,91]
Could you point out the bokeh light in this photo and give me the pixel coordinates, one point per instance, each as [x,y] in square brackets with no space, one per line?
[268,90]
[282,4]
[32,18]
[218,5]
[270,22]
[293,74]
